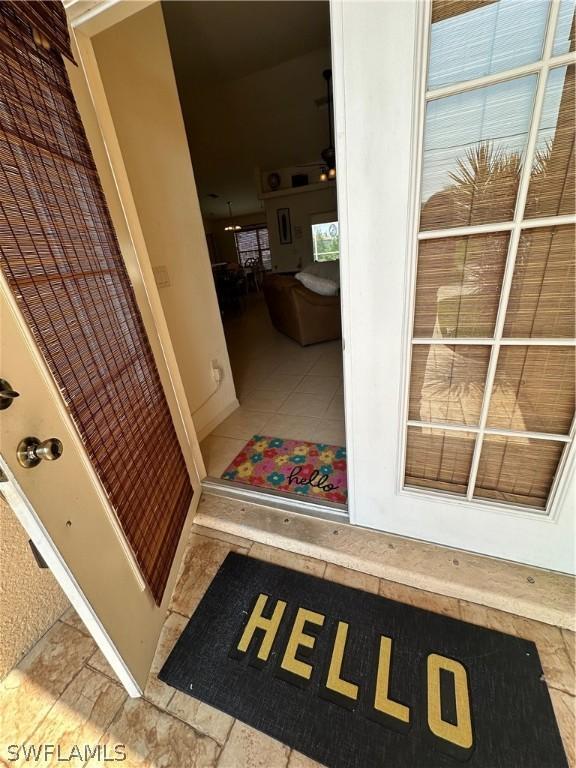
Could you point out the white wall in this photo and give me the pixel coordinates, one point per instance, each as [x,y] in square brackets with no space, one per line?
[303,205]
[136,68]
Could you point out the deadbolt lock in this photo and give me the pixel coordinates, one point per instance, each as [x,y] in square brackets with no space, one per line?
[31,451]
[7,394]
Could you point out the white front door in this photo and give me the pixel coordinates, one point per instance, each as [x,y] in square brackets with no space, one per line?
[455,141]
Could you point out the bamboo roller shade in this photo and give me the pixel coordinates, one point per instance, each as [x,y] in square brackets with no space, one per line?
[61,258]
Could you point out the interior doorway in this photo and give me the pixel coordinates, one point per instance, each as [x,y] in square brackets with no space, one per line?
[256,96]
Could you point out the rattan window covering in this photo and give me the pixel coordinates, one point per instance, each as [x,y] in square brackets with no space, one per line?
[61,258]
[253,243]
[513,369]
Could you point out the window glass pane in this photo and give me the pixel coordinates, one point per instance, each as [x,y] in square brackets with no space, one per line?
[551,191]
[473,39]
[438,459]
[517,470]
[564,40]
[326,241]
[458,285]
[473,149]
[533,390]
[447,383]
[542,298]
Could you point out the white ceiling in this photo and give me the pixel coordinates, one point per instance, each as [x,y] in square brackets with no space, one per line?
[248,75]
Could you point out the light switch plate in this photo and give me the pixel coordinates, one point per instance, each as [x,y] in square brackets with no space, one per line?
[161,277]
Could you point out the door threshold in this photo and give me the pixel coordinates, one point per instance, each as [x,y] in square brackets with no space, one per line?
[287,502]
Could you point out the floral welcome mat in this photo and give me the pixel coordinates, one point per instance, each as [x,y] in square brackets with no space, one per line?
[312,469]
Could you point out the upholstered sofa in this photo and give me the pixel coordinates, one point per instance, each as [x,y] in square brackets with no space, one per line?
[305,316]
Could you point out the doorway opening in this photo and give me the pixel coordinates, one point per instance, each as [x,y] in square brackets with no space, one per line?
[254,82]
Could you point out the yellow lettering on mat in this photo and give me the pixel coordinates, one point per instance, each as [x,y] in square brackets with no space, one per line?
[334,680]
[298,638]
[382,702]
[461,733]
[269,626]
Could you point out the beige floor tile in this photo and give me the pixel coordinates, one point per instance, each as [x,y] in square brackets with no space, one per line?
[420,598]
[98,662]
[288,559]
[264,400]
[335,408]
[229,538]
[295,367]
[81,714]
[218,452]
[565,711]
[300,404]
[331,431]
[298,760]
[201,562]
[326,367]
[294,427]
[29,690]
[156,691]
[558,670]
[71,617]
[281,382]
[323,386]
[204,718]
[249,748]
[154,739]
[351,578]
[570,642]
[242,424]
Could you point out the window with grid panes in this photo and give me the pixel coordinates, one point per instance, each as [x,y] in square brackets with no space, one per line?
[491,393]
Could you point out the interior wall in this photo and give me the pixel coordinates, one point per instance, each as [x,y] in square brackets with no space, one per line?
[297,254]
[30,597]
[136,70]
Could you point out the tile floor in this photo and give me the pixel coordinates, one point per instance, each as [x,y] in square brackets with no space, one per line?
[284,390]
[64,692]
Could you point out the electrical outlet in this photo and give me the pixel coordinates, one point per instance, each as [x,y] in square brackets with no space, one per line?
[217,372]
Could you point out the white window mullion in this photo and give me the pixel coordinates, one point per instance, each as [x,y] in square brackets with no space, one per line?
[523,187]
[553,341]
[444,427]
[503,226]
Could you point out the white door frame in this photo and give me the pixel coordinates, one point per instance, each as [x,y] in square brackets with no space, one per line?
[379,65]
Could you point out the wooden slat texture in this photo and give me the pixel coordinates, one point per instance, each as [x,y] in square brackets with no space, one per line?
[552,183]
[439,460]
[542,299]
[533,390]
[46,17]
[447,383]
[60,255]
[458,286]
[517,470]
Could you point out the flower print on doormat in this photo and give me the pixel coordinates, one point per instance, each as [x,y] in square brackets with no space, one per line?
[315,470]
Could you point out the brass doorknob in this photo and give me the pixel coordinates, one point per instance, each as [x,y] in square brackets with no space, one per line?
[31,451]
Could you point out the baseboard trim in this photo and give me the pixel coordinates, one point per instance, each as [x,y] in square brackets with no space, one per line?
[216,420]
[518,589]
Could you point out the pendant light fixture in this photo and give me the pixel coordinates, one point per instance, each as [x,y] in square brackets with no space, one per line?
[231,227]
[329,154]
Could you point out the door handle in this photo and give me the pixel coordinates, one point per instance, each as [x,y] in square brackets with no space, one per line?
[7,394]
[31,451]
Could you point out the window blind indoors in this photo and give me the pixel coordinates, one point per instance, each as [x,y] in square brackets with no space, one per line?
[253,244]
[60,256]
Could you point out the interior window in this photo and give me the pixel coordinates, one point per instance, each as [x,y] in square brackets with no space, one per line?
[253,243]
[326,241]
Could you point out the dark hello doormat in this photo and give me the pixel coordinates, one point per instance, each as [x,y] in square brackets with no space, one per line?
[354,680]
